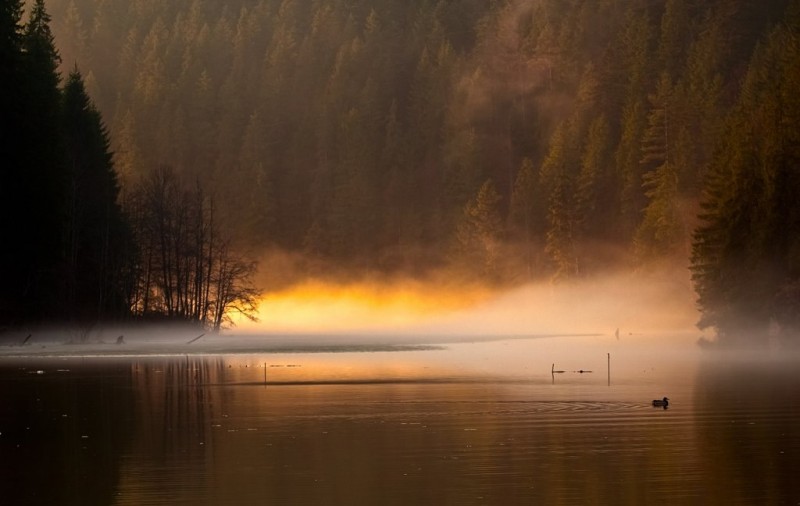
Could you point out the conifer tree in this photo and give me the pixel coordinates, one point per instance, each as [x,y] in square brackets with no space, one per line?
[34,203]
[660,231]
[255,181]
[480,232]
[745,263]
[10,29]
[636,58]
[96,231]
[42,62]
[12,86]
[561,244]
[74,46]
[596,190]
[676,32]
[522,209]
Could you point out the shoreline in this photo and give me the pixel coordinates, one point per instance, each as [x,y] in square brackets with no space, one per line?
[143,342]
[201,345]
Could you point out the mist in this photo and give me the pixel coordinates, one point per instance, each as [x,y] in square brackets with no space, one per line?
[625,304]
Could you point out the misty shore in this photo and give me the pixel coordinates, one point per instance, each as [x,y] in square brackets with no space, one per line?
[146,343]
[160,341]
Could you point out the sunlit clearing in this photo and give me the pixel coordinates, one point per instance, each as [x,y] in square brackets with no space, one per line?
[316,306]
[622,305]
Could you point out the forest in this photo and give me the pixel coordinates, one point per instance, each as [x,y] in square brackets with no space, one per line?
[506,141]
[73,252]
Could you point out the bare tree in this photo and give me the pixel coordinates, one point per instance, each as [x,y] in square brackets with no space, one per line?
[233,291]
[187,270]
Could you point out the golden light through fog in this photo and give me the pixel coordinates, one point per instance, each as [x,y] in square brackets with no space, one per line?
[634,305]
[317,306]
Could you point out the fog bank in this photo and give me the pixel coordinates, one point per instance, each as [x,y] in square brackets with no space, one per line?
[629,304]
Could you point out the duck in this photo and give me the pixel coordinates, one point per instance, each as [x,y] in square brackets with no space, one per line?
[661,403]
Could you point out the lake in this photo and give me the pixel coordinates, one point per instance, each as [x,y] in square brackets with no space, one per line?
[469,421]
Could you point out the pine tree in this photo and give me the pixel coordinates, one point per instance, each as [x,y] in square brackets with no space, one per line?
[596,190]
[637,62]
[10,45]
[562,158]
[13,255]
[661,229]
[522,210]
[255,182]
[745,263]
[523,205]
[480,232]
[96,232]
[351,223]
[33,206]
[43,61]
[676,31]
[561,244]
[74,46]
[629,172]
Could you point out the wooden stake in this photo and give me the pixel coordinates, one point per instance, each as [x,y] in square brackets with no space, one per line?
[195,339]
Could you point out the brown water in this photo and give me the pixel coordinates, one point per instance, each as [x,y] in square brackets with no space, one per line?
[471,423]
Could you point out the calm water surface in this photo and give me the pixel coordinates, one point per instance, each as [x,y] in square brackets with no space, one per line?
[471,423]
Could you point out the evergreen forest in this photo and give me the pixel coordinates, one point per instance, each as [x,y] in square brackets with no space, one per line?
[72,252]
[152,150]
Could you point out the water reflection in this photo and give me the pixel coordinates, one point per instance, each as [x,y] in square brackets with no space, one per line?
[343,439]
[380,428]
[63,432]
[746,420]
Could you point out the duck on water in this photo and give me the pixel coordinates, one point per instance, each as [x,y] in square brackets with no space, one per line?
[661,403]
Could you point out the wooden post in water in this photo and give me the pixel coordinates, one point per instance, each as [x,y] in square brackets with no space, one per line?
[196,338]
[265,374]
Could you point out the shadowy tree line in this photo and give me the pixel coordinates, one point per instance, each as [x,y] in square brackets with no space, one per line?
[64,236]
[746,252]
[70,253]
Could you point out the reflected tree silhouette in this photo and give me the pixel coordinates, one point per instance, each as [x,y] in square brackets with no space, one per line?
[747,430]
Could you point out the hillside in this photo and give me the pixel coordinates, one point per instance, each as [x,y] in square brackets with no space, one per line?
[360,130]
[503,141]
